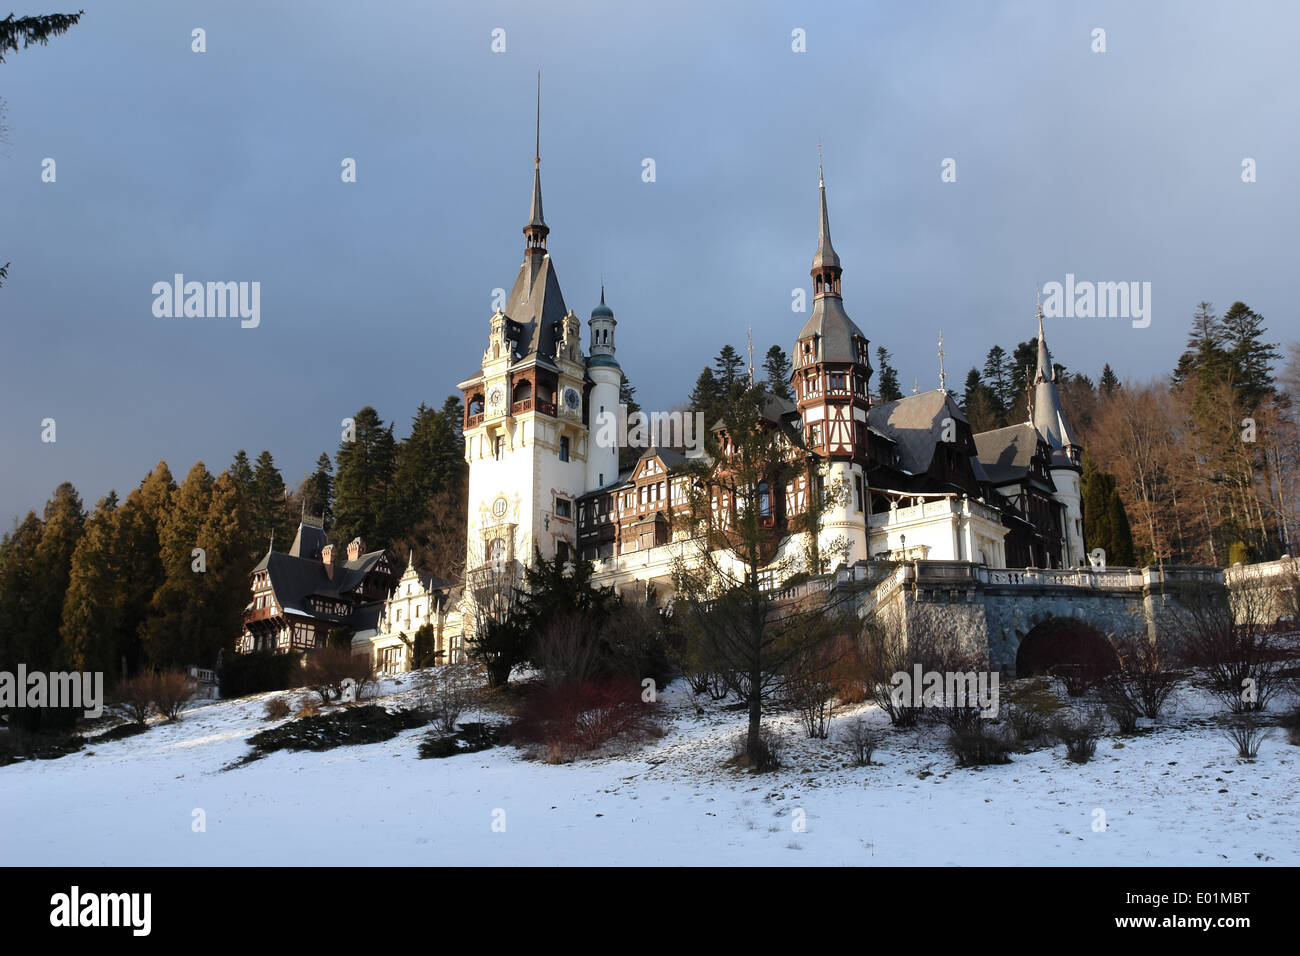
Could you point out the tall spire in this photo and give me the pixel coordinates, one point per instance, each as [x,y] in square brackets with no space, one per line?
[536,230]
[826,264]
[943,374]
[1045,372]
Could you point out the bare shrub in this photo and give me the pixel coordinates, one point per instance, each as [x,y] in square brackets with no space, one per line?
[767,758]
[328,668]
[1076,679]
[449,690]
[1228,633]
[860,740]
[135,696]
[977,743]
[1247,734]
[172,693]
[277,708]
[568,652]
[810,680]
[573,719]
[1291,723]
[930,643]
[1079,736]
[1117,697]
[1031,706]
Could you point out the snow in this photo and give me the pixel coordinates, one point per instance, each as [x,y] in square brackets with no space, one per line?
[1175,796]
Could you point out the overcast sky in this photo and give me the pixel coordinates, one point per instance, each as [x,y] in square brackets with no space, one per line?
[225,165]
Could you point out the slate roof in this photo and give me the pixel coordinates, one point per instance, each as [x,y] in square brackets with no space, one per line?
[308,542]
[1007,453]
[915,424]
[536,308]
[834,328]
[295,580]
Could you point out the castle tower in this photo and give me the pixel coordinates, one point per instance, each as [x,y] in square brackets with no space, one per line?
[831,375]
[525,427]
[603,399]
[1049,419]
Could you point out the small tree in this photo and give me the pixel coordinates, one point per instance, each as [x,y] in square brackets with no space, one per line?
[173,691]
[737,515]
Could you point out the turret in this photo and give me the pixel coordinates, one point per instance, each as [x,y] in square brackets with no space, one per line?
[603,401]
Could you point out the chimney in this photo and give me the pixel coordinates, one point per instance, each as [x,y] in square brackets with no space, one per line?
[327,556]
[356,548]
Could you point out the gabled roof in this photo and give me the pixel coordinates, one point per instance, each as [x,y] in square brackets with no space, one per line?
[294,580]
[916,425]
[1006,454]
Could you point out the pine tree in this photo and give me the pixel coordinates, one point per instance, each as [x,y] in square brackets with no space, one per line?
[19,631]
[224,536]
[707,397]
[177,615]
[1109,381]
[91,628]
[318,492]
[1252,358]
[888,377]
[997,376]
[33,30]
[778,369]
[363,481]
[267,513]
[61,529]
[729,368]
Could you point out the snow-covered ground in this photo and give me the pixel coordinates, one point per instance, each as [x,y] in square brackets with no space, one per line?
[1175,796]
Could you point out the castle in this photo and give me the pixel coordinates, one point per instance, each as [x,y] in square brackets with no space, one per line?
[919,484]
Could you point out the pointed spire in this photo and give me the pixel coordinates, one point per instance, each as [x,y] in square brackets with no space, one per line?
[826,264]
[1045,372]
[536,229]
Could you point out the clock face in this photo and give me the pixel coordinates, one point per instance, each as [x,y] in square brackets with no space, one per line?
[572,398]
[495,396]
[499,507]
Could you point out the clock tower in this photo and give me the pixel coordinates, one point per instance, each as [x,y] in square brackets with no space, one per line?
[526,433]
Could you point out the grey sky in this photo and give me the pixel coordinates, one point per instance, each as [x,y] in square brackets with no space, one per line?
[225,166]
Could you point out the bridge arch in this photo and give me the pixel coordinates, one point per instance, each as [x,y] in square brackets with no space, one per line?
[1064,642]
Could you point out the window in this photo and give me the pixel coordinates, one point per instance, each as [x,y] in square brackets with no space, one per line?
[857,487]
[499,447]
[764,500]
[564,449]
[815,433]
[563,508]
[562,551]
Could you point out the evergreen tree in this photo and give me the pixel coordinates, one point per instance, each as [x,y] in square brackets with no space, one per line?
[887,377]
[224,536]
[1252,358]
[19,630]
[707,397]
[177,615]
[1109,381]
[267,513]
[431,458]
[91,628]
[997,376]
[242,472]
[318,492]
[363,482]
[627,396]
[1105,522]
[778,369]
[52,566]
[33,30]
[729,367]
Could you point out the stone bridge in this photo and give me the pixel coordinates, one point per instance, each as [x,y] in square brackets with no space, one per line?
[996,609]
